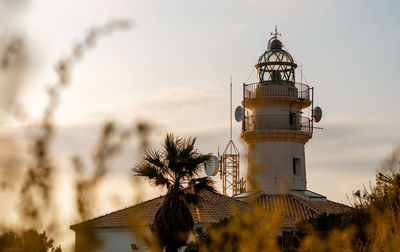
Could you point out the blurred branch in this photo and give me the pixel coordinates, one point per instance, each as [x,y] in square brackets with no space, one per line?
[109,145]
[12,50]
[13,66]
[35,195]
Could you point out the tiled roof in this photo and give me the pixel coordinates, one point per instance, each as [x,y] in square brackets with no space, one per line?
[297,208]
[287,223]
[212,208]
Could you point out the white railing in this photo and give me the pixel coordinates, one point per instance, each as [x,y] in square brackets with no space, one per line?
[277,122]
[276,89]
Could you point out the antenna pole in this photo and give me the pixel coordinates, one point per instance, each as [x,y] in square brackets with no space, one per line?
[312,110]
[301,72]
[244,108]
[231,107]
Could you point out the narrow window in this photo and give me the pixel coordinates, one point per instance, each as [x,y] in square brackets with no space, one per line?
[291,118]
[296,166]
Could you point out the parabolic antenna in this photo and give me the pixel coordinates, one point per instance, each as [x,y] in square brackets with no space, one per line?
[239,113]
[317,114]
[211,167]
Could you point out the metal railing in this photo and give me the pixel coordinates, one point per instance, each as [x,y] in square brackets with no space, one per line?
[277,122]
[276,89]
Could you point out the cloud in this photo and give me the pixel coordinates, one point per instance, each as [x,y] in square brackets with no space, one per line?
[12,152]
[345,155]
[174,108]
[346,152]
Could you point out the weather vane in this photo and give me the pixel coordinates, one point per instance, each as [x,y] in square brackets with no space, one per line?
[276,34]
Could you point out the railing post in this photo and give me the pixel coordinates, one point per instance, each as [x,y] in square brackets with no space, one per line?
[244,108]
[312,110]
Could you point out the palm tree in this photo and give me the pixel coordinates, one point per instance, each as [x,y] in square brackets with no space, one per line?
[175,168]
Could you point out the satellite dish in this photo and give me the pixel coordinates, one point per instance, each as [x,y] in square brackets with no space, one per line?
[317,114]
[239,113]
[211,167]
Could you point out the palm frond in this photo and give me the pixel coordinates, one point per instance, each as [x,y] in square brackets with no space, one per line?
[144,169]
[154,157]
[205,183]
[160,180]
[187,149]
[191,198]
[194,165]
[171,146]
[152,173]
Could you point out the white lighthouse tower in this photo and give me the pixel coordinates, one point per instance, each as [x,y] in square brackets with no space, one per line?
[274,127]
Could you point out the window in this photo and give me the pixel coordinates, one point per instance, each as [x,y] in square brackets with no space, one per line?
[292,118]
[296,166]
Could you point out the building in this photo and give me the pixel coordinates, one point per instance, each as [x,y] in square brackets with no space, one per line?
[275,132]
[117,229]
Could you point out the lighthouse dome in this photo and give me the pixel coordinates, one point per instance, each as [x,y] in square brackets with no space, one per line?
[276,54]
[276,64]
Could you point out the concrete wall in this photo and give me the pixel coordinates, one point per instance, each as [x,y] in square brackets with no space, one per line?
[276,107]
[118,240]
[270,153]
[112,240]
[270,166]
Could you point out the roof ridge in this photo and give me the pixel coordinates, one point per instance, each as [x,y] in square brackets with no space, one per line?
[340,203]
[303,201]
[116,211]
[237,200]
[298,199]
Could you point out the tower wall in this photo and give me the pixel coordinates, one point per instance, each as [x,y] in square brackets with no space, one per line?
[276,166]
[276,107]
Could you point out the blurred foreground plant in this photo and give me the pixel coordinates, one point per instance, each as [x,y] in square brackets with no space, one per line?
[374,223]
[256,232]
[36,193]
[25,241]
[110,144]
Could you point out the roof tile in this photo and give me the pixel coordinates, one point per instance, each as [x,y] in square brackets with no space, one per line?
[297,208]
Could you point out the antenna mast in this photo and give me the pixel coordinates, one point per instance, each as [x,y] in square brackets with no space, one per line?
[231,107]
[229,162]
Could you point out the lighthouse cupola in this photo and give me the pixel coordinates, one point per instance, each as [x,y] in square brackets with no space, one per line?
[274,127]
[276,64]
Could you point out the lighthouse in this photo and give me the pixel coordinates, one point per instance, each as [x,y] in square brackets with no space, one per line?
[274,127]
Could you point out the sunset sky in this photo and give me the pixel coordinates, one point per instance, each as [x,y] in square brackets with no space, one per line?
[172,68]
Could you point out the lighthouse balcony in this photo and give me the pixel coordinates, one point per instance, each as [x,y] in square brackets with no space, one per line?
[287,122]
[276,90]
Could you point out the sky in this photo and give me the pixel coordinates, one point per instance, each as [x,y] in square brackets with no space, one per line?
[172,68]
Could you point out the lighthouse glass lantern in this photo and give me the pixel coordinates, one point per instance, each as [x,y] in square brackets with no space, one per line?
[276,66]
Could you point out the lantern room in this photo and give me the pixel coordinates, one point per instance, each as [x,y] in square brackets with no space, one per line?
[276,65]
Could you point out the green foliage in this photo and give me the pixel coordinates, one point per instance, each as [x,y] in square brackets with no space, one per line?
[28,240]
